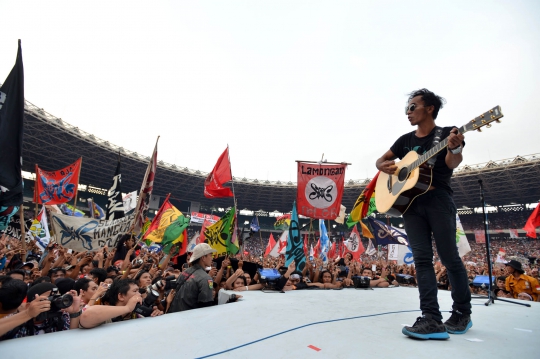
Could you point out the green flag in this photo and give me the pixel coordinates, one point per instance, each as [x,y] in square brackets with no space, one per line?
[173,233]
[219,235]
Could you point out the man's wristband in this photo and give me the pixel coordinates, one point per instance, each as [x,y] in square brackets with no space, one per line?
[456,150]
[75,315]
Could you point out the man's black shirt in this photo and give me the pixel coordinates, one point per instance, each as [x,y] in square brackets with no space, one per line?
[409,142]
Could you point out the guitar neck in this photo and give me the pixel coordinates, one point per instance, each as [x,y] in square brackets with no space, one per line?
[426,156]
[475,124]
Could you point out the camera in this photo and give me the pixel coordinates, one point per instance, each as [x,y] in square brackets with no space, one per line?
[405,279]
[147,307]
[137,262]
[58,302]
[361,282]
[169,283]
[269,278]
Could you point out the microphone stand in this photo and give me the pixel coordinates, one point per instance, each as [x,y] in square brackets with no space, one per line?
[491,292]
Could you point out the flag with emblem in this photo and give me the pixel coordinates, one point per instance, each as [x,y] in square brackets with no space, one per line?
[295,244]
[353,244]
[365,204]
[57,187]
[166,216]
[385,234]
[283,222]
[219,235]
[40,229]
[320,189]
[115,204]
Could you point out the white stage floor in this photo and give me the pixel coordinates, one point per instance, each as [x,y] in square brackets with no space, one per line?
[341,323]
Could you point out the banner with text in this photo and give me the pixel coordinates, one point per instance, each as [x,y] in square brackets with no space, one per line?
[88,234]
[320,188]
[199,218]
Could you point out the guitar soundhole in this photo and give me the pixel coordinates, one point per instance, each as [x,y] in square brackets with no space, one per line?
[403,174]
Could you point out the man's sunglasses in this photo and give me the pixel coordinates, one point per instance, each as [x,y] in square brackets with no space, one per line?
[411,108]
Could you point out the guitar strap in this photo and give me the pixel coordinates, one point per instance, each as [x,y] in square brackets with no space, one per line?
[436,140]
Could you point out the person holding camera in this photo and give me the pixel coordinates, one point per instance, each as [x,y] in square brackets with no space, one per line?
[46,312]
[123,301]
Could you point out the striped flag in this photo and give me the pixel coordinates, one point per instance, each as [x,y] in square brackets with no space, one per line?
[146,191]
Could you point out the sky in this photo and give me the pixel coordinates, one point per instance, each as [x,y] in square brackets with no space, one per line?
[278,81]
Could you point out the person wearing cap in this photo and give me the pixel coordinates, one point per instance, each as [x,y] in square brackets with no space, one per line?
[518,282]
[195,288]
[26,322]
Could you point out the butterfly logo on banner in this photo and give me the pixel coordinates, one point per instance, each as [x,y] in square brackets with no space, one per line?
[76,234]
[321,192]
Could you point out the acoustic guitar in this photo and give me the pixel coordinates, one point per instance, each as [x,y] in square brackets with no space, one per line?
[395,193]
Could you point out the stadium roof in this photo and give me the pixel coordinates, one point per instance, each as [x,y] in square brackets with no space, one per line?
[52,143]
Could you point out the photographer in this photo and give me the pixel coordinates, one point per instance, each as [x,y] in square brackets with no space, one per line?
[46,312]
[123,302]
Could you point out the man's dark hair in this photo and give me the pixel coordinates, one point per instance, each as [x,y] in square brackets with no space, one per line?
[41,280]
[54,270]
[118,287]
[12,292]
[430,99]
[81,283]
[16,271]
[503,278]
[99,273]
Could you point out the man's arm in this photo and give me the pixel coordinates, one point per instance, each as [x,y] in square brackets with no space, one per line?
[386,163]
[98,314]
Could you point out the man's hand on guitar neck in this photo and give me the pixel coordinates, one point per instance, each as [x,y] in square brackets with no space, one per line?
[455,141]
[386,163]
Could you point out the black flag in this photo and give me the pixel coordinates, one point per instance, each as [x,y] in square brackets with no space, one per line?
[115,206]
[11,135]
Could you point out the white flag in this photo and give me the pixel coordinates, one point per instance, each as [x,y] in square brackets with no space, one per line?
[281,245]
[341,217]
[371,248]
[130,201]
[461,239]
[40,229]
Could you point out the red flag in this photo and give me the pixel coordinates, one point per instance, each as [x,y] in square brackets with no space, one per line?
[332,251]
[146,191]
[320,188]
[213,184]
[306,249]
[317,249]
[533,222]
[354,245]
[271,244]
[202,238]
[184,246]
[57,187]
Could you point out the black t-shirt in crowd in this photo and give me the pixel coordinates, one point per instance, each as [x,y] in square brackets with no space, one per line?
[409,142]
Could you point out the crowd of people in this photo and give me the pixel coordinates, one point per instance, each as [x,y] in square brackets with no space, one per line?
[58,289]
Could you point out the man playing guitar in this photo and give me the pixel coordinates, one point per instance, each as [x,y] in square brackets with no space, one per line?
[433,213]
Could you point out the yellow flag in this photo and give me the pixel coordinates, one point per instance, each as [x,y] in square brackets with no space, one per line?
[166,215]
[365,231]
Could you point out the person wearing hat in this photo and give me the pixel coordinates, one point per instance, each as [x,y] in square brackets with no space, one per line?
[195,288]
[518,282]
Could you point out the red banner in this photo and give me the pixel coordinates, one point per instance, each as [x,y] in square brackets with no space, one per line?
[320,188]
[57,187]
[480,236]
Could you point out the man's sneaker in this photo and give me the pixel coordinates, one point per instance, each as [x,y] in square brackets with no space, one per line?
[426,328]
[458,323]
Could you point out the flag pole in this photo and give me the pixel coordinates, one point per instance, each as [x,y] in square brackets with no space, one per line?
[35,192]
[232,178]
[23,230]
[77,192]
